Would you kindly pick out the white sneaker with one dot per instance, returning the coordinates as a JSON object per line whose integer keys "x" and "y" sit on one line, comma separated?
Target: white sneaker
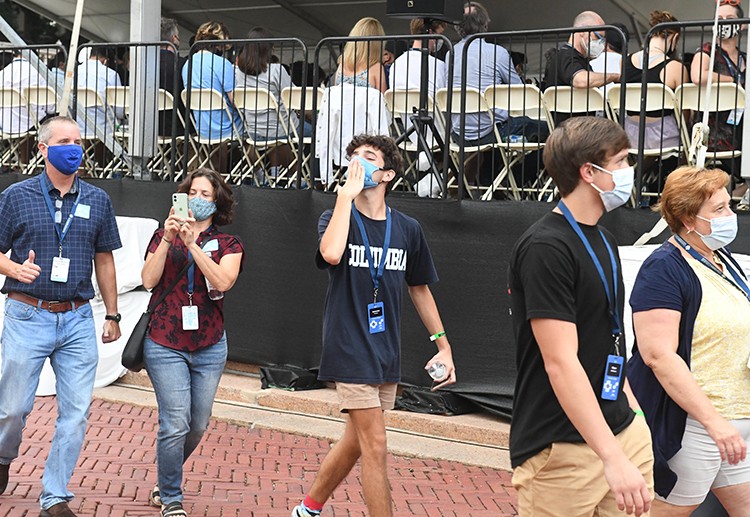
{"x": 301, "y": 511}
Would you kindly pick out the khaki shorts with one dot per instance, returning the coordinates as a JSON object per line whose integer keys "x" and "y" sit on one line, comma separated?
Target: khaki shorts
{"x": 568, "y": 478}
{"x": 366, "y": 396}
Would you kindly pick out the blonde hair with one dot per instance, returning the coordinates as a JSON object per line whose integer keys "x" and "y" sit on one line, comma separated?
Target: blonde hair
{"x": 685, "y": 190}
{"x": 361, "y": 55}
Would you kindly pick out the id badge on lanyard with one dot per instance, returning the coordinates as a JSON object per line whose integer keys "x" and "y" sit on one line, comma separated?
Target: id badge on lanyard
{"x": 376, "y": 309}
{"x": 60, "y": 265}
{"x": 190, "y": 311}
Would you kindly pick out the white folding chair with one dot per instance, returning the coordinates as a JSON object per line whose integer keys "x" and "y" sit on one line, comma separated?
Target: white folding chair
{"x": 97, "y": 114}
{"x": 291, "y": 97}
{"x": 166, "y": 144}
{"x": 13, "y": 143}
{"x": 208, "y": 99}
{"x": 724, "y": 97}
{"x": 520, "y": 98}
{"x": 571, "y": 101}
{"x": 659, "y": 98}
{"x": 475, "y": 104}
{"x": 259, "y": 102}
{"x": 40, "y": 101}
{"x": 402, "y": 104}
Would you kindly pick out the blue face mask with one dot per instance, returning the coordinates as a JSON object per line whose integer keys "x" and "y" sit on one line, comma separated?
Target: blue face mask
{"x": 65, "y": 158}
{"x": 202, "y": 208}
{"x": 370, "y": 169}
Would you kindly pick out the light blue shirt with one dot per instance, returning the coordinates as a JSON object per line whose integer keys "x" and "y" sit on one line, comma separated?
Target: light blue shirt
{"x": 212, "y": 71}
{"x": 486, "y": 65}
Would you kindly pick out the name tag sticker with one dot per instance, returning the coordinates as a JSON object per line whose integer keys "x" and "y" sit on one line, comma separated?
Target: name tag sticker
{"x": 60, "y": 268}
{"x": 212, "y": 245}
{"x": 189, "y": 317}
{"x": 83, "y": 211}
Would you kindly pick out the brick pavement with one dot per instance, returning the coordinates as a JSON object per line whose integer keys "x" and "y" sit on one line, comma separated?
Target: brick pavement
{"x": 236, "y": 471}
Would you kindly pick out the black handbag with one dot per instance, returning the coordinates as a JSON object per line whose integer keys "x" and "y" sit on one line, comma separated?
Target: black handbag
{"x": 132, "y": 354}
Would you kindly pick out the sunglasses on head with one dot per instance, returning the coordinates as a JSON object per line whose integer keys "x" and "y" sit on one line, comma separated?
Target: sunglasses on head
{"x": 733, "y": 3}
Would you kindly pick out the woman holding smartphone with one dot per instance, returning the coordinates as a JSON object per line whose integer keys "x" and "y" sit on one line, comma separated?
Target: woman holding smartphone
{"x": 186, "y": 347}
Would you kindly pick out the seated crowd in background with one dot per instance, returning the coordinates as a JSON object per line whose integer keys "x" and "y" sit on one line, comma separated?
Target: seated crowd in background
{"x": 589, "y": 59}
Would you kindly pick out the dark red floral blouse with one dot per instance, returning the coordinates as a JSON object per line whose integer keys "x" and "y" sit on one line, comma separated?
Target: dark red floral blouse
{"x": 166, "y": 321}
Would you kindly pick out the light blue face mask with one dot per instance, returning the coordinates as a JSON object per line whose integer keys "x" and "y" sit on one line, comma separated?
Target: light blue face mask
{"x": 370, "y": 169}
{"x": 723, "y": 231}
{"x": 202, "y": 208}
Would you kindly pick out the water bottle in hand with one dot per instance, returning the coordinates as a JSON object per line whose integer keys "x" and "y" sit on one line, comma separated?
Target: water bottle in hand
{"x": 437, "y": 371}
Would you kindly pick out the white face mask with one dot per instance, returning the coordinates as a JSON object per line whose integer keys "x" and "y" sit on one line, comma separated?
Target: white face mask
{"x": 595, "y": 48}
{"x": 723, "y": 231}
{"x": 618, "y": 196}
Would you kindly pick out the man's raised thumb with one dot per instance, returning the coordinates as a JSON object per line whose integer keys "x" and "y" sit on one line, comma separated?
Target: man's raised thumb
{"x": 31, "y": 256}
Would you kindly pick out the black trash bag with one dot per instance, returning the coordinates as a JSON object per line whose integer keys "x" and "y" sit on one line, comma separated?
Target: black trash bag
{"x": 422, "y": 400}
{"x": 290, "y": 378}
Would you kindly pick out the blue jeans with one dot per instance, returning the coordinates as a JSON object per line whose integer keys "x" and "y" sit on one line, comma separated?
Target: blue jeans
{"x": 185, "y": 384}
{"x": 30, "y": 335}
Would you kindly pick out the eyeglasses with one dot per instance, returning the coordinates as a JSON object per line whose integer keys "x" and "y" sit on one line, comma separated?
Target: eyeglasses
{"x": 58, "y": 211}
{"x": 733, "y": 3}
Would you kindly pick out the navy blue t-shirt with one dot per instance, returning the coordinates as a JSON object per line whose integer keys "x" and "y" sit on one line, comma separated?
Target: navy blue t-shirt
{"x": 350, "y": 352}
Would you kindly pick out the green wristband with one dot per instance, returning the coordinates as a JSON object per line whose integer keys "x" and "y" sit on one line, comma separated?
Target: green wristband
{"x": 437, "y": 335}
{"x": 639, "y": 412}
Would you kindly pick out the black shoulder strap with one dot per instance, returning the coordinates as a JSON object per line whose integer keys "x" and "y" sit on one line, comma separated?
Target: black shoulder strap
{"x": 171, "y": 286}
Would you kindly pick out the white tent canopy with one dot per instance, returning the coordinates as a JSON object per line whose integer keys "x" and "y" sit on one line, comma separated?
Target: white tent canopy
{"x": 310, "y": 20}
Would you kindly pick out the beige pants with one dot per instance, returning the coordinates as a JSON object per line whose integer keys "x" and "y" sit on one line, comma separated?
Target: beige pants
{"x": 567, "y": 479}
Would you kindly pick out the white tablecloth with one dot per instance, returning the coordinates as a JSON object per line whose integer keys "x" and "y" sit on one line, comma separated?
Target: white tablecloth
{"x": 135, "y": 233}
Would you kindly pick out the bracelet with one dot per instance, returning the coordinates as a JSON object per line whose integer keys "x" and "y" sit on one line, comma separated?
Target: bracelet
{"x": 437, "y": 335}
{"x": 166, "y": 240}
{"x": 639, "y": 412}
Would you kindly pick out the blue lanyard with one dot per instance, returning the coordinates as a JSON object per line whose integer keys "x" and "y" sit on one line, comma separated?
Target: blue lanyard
{"x": 739, "y": 283}
{"x": 376, "y": 275}
{"x": 735, "y": 73}
{"x": 191, "y": 271}
{"x": 616, "y": 327}
{"x": 61, "y": 233}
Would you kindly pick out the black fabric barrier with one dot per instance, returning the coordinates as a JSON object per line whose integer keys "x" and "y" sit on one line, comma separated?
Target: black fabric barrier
{"x": 274, "y": 313}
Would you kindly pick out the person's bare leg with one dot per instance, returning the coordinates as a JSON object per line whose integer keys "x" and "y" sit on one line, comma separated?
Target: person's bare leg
{"x": 370, "y": 427}
{"x": 661, "y": 509}
{"x": 336, "y": 465}
{"x": 735, "y": 499}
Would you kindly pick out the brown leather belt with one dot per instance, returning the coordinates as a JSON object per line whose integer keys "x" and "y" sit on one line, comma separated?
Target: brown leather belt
{"x": 52, "y": 306}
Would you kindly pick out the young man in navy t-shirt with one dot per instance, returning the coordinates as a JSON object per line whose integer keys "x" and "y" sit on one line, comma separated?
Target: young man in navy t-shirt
{"x": 369, "y": 250}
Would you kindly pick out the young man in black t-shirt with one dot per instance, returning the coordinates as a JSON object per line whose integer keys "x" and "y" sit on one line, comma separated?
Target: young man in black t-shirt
{"x": 369, "y": 250}
{"x": 579, "y": 444}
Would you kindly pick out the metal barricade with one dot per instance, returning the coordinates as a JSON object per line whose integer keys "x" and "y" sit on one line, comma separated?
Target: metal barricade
{"x": 666, "y": 117}
{"x": 506, "y": 109}
{"x": 359, "y": 100}
{"x": 249, "y": 118}
{"x": 29, "y": 94}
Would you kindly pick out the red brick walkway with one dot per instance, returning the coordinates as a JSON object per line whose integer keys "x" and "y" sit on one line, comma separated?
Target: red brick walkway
{"x": 236, "y": 471}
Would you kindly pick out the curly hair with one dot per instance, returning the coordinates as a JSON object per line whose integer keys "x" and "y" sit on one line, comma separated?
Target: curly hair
{"x": 213, "y": 31}
{"x": 223, "y": 196}
{"x": 392, "y": 159}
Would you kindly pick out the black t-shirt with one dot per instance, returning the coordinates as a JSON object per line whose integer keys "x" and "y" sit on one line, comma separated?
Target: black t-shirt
{"x": 167, "y": 81}
{"x": 562, "y": 64}
{"x": 551, "y": 275}
{"x": 350, "y": 352}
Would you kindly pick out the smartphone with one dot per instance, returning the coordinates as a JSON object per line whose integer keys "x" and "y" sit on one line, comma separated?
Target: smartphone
{"x": 180, "y": 204}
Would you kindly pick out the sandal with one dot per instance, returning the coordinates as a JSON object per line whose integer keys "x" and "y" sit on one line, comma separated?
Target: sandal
{"x": 154, "y": 497}
{"x": 173, "y": 510}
